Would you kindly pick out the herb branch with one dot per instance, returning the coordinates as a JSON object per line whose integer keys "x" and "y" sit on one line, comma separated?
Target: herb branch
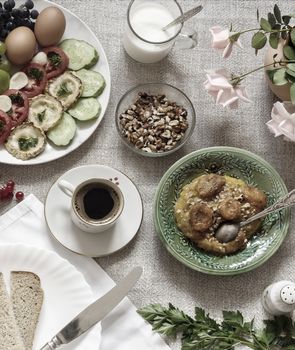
{"x": 63, "y": 90}
{"x": 203, "y": 333}
{"x": 25, "y": 143}
{"x": 54, "y": 59}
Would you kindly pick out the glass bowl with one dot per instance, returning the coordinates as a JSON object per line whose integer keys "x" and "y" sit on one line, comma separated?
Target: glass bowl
{"x": 173, "y": 94}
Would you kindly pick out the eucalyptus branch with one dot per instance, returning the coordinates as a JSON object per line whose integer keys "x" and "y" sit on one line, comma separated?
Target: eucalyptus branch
{"x": 237, "y": 79}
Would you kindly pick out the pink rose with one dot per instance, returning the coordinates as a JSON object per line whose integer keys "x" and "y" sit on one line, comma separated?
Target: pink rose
{"x": 222, "y": 41}
{"x": 218, "y": 85}
{"x": 283, "y": 120}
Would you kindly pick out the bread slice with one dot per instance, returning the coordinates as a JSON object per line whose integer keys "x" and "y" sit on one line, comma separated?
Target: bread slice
{"x": 10, "y": 338}
{"x": 26, "y": 297}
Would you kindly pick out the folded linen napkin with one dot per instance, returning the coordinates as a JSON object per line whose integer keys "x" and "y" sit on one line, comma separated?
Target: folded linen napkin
{"x": 123, "y": 328}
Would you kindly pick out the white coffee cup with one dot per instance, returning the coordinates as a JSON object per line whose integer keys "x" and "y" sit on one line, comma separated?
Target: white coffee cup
{"x": 96, "y": 204}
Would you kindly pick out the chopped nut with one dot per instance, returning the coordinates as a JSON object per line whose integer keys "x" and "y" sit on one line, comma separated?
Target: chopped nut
{"x": 153, "y": 123}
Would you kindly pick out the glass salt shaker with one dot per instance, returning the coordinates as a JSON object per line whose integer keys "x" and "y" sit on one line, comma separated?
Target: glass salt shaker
{"x": 279, "y": 298}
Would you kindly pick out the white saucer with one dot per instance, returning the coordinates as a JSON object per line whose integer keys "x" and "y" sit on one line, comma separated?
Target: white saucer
{"x": 57, "y": 214}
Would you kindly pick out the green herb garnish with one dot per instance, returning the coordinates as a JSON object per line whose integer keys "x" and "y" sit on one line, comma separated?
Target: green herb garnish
{"x": 41, "y": 116}
{"x": 63, "y": 90}
{"x": 54, "y": 59}
{"x": 201, "y": 332}
{"x": 25, "y": 143}
{"x": 17, "y": 99}
{"x": 2, "y": 124}
{"x": 35, "y": 73}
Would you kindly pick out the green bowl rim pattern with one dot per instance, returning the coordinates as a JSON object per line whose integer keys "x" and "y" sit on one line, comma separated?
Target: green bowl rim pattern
{"x": 249, "y": 267}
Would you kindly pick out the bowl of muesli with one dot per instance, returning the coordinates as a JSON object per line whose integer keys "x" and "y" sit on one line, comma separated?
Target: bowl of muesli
{"x": 215, "y": 185}
{"x": 155, "y": 119}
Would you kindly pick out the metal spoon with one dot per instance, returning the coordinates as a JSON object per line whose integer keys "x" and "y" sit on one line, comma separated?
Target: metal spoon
{"x": 227, "y": 232}
{"x": 184, "y": 17}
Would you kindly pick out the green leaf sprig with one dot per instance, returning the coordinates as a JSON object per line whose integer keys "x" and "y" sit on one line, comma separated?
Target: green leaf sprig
{"x": 63, "y": 90}
{"x": 272, "y": 29}
{"x": 202, "y": 332}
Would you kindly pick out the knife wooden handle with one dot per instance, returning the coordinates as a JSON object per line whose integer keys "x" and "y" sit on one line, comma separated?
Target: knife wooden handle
{"x": 53, "y": 344}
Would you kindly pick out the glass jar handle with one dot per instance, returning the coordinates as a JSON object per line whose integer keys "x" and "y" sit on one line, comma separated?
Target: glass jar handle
{"x": 187, "y": 39}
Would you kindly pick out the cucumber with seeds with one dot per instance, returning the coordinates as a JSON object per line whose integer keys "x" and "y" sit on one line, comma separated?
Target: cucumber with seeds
{"x": 93, "y": 82}
{"x": 86, "y": 109}
{"x": 80, "y": 53}
{"x": 63, "y": 133}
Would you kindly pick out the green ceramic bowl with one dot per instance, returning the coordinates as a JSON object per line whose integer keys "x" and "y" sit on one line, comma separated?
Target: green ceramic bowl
{"x": 233, "y": 162}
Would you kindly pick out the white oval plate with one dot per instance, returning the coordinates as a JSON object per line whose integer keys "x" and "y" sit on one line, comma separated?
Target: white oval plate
{"x": 66, "y": 292}
{"x": 79, "y": 30}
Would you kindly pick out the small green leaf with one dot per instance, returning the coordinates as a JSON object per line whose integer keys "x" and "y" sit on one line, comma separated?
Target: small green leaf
{"x": 290, "y": 72}
{"x": 265, "y": 25}
{"x": 274, "y": 40}
{"x": 286, "y": 19}
{"x": 289, "y": 52}
{"x": 277, "y": 13}
{"x": 284, "y": 34}
{"x": 233, "y": 38}
{"x": 290, "y": 79}
{"x": 271, "y": 73}
{"x": 291, "y": 66}
{"x": 293, "y": 36}
{"x": 279, "y": 77}
{"x": 258, "y": 40}
{"x": 271, "y": 19}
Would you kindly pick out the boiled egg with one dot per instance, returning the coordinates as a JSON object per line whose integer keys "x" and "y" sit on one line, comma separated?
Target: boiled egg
{"x": 20, "y": 45}
{"x": 50, "y": 26}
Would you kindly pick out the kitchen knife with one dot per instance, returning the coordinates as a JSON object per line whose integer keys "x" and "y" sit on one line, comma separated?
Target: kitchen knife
{"x": 95, "y": 312}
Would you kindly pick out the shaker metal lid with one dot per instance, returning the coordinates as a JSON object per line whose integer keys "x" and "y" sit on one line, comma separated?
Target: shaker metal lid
{"x": 288, "y": 294}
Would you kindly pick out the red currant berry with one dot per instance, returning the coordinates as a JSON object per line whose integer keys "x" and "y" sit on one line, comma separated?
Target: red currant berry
{"x": 19, "y": 196}
{"x": 6, "y": 192}
{"x": 1, "y": 192}
{"x": 9, "y": 196}
{"x": 10, "y": 183}
{"x": 9, "y": 188}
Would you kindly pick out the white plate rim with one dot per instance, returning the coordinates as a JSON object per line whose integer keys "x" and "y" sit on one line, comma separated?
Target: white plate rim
{"x": 53, "y": 256}
{"x": 35, "y": 161}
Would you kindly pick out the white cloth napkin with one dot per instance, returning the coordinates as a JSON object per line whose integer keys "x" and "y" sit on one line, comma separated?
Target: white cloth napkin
{"x": 123, "y": 328}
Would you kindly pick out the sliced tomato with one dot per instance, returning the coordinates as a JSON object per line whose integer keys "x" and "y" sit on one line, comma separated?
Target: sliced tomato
{"x": 57, "y": 62}
{"x": 37, "y": 79}
{"x": 20, "y": 106}
{"x": 5, "y": 126}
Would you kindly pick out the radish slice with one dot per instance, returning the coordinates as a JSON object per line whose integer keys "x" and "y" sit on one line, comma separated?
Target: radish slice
{"x": 18, "y": 81}
{"x": 5, "y": 103}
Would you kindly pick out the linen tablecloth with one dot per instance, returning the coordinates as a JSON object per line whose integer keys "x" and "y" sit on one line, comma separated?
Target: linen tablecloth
{"x": 166, "y": 279}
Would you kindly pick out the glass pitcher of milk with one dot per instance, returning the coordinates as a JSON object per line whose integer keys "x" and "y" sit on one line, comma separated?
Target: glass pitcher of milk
{"x": 145, "y": 40}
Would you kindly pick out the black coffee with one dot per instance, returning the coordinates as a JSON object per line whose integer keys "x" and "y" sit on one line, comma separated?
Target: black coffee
{"x": 98, "y": 203}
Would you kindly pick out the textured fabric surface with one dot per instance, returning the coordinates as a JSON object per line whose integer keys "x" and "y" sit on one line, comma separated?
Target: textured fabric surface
{"x": 164, "y": 278}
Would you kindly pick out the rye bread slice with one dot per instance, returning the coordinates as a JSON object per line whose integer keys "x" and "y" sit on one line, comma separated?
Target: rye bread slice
{"x": 10, "y": 338}
{"x": 26, "y": 297}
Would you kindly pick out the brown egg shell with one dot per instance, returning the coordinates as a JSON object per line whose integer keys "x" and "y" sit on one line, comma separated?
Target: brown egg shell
{"x": 50, "y": 26}
{"x": 20, "y": 45}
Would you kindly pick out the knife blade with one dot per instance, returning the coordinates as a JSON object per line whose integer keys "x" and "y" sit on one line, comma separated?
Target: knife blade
{"x": 95, "y": 312}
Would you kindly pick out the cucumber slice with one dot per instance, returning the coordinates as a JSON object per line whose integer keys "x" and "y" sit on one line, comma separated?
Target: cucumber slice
{"x": 80, "y": 53}
{"x": 64, "y": 131}
{"x": 93, "y": 82}
{"x": 85, "y": 109}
